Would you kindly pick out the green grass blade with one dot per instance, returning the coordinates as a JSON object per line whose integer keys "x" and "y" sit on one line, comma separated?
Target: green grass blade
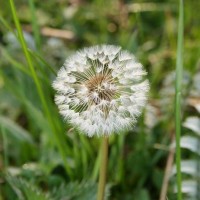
{"x": 59, "y": 138}
{"x": 179, "y": 71}
{"x": 36, "y": 30}
{"x": 5, "y": 149}
{"x": 14, "y": 63}
{"x": 96, "y": 167}
{"x": 6, "y": 25}
{"x": 36, "y": 55}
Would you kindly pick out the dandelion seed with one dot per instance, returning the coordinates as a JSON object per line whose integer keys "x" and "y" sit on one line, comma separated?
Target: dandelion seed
{"x": 101, "y": 90}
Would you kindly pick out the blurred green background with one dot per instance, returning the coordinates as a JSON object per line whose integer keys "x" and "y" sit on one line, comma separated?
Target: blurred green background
{"x": 41, "y": 156}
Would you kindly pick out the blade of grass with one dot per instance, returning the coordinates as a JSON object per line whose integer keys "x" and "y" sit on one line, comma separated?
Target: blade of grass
{"x": 14, "y": 63}
{"x": 59, "y": 141}
{"x": 36, "y": 55}
{"x": 5, "y": 149}
{"x": 6, "y": 25}
{"x": 96, "y": 166}
{"x": 36, "y": 31}
{"x": 120, "y": 174}
{"x": 179, "y": 71}
{"x": 86, "y": 144}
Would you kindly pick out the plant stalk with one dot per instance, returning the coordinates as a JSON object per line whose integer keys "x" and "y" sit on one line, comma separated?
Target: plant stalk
{"x": 103, "y": 169}
{"x": 179, "y": 72}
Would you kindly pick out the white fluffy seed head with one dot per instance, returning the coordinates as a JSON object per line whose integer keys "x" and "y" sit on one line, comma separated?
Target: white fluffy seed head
{"x": 101, "y": 90}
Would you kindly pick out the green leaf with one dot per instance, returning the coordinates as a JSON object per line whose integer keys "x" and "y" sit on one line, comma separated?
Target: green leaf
{"x": 193, "y": 123}
{"x": 15, "y": 130}
{"x": 25, "y": 190}
{"x": 86, "y": 190}
{"x": 191, "y": 143}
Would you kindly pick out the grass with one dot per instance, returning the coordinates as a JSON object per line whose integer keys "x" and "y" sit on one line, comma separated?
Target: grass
{"x": 36, "y": 30}
{"x": 5, "y": 147}
{"x": 44, "y": 153}
{"x": 179, "y": 74}
{"x": 56, "y": 134}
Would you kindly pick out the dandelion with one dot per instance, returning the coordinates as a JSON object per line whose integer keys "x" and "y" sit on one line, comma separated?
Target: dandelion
{"x": 101, "y": 90}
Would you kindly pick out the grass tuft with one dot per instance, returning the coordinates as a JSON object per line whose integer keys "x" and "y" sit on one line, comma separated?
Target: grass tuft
{"x": 56, "y": 134}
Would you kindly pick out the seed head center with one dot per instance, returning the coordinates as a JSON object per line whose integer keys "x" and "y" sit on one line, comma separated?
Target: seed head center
{"x": 99, "y": 88}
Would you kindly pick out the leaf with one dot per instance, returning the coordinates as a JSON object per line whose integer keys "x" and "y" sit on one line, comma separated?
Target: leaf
{"x": 193, "y": 123}
{"x": 189, "y": 187}
{"x": 189, "y": 167}
{"x": 197, "y": 107}
{"x": 86, "y": 190}
{"x": 15, "y": 186}
{"x": 190, "y": 143}
{"x": 26, "y": 190}
{"x": 32, "y": 192}
{"x": 15, "y": 130}
{"x": 143, "y": 195}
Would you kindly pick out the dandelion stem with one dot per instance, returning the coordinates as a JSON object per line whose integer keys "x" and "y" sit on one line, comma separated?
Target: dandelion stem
{"x": 103, "y": 169}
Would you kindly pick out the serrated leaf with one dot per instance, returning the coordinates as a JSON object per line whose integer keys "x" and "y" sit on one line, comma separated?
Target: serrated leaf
{"x": 197, "y": 107}
{"x": 14, "y": 184}
{"x": 31, "y": 192}
{"x": 25, "y": 190}
{"x": 191, "y": 143}
{"x": 86, "y": 190}
{"x": 189, "y": 167}
{"x": 189, "y": 187}
{"x": 193, "y": 123}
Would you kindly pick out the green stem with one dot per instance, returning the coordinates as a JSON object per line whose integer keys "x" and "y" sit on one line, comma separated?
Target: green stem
{"x": 179, "y": 71}
{"x": 57, "y": 135}
{"x": 103, "y": 169}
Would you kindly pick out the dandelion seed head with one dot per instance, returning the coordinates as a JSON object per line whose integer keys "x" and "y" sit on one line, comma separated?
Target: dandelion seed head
{"x": 101, "y": 90}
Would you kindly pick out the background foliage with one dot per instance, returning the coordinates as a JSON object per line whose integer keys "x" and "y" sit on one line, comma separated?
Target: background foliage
{"x": 44, "y": 158}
